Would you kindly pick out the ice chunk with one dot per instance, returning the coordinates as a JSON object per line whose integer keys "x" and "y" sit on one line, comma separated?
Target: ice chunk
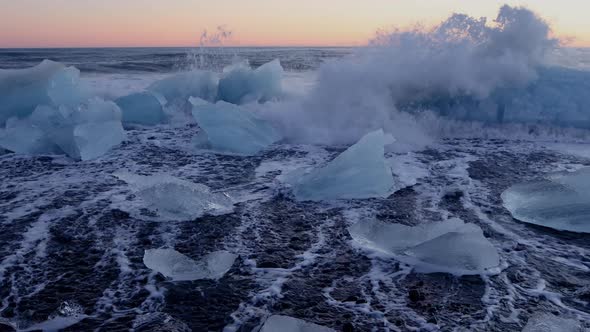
{"x": 175, "y": 199}
{"x": 359, "y": 172}
{"x": 180, "y": 87}
{"x": 547, "y": 322}
{"x": 49, "y": 83}
{"x": 226, "y": 128}
{"x": 141, "y": 108}
{"x": 86, "y": 132}
{"x": 451, "y": 246}
{"x": 179, "y": 267}
{"x": 241, "y": 84}
{"x": 279, "y": 323}
{"x": 561, "y": 201}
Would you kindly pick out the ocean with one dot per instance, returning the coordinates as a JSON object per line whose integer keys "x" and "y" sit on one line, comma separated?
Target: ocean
{"x": 176, "y": 189}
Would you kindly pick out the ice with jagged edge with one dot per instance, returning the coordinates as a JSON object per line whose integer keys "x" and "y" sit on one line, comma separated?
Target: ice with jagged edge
{"x": 451, "y": 246}
{"x": 278, "y": 323}
{"x": 547, "y": 322}
{"x": 171, "y": 198}
{"x": 48, "y": 83}
{"x": 227, "y": 128}
{"x": 179, "y": 87}
{"x": 179, "y": 267}
{"x": 141, "y": 108}
{"x": 241, "y": 84}
{"x": 85, "y": 132}
{"x": 560, "y": 201}
{"x": 359, "y": 172}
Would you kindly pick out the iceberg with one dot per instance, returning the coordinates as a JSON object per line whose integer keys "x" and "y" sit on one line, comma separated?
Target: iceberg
{"x": 226, "y": 128}
{"x": 451, "y": 246}
{"x": 359, "y": 172}
{"x": 48, "y": 83}
{"x": 278, "y": 323}
{"x": 141, "y": 108}
{"x": 179, "y": 267}
{"x": 560, "y": 201}
{"x": 84, "y": 133}
{"x": 240, "y": 84}
{"x": 180, "y": 87}
{"x": 175, "y": 199}
{"x": 547, "y": 322}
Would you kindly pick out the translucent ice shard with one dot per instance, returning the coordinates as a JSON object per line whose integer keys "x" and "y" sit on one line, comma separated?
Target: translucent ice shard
{"x": 141, "y": 108}
{"x": 451, "y": 246}
{"x": 279, "y": 323}
{"x": 359, "y": 172}
{"x": 561, "y": 201}
{"x": 180, "y": 87}
{"x": 547, "y": 322}
{"x": 22, "y": 136}
{"x": 179, "y": 267}
{"x": 49, "y": 83}
{"x": 174, "y": 199}
{"x": 227, "y": 128}
{"x": 240, "y": 84}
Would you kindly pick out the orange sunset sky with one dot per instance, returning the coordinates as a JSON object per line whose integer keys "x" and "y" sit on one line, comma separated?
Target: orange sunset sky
{"x": 117, "y": 23}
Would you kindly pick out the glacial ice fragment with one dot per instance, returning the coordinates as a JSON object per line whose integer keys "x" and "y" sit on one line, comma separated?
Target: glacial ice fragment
{"x": 451, "y": 246}
{"x": 141, "y": 108}
{"x": 560, "y": 201}
{"x": 278, "y": 323}
{"x": 179, "y": 267}
{"x": 175, "y": 199}
{"x": 359, "y": 172}
{"x": 226, "y": 128}
{"x": 180, "y": 87}
{"x": 547, "y": 322}
{"x": 22, "y": 136}
{"x": 240, "y": 84}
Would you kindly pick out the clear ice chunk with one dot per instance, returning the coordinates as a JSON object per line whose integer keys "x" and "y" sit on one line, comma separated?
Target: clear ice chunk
{"x": 180, "y": 87}
{"x": 561, "y": 201}
{"x": 278, "y": 323}
{"x": 451, "y": 246}
{"x": 179, "y": 267}
{"x": 22, "y": 136}
{"x": 175, "y": 199}
{"x": 227, "y": 128}
{"x": 547, "y": 322}
{"x": 359, "y": 172}
{"x": 141, "y": 108}
{"x": 240, "y": 84}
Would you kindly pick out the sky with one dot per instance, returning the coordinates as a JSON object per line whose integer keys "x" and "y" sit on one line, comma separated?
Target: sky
{"x": 136, "y": 23}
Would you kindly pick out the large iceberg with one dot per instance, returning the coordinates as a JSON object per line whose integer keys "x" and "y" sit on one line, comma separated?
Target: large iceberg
{"x": 180, "y": 87}
{"x": 451, "y": 246}
{"x": 359, "y": 172}
{"x": 240, "y": 84}
{"x": 141, "y": 108}
{"x": 561, "y": 201}
{"x": 171, "y": 198}
{"x": 227, "y": 128}
{"x": 278, "y": 323}
{"x": 85, "y": 132}
{"x": 179, "y": 267}
{"x": 547, "y": 322}
{"x": 49, "y": 83}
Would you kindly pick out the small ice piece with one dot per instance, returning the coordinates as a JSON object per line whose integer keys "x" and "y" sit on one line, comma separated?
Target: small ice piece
{"x": 561, "y": 201}
{"x": 359, "y": 172}
{"x": 22, "y": 136}
{"x": 141, "y": 108}
{"x": 180, "y": 87}
{"x": 548, "y": 322}
{"x": 278, "y": 323}
{"x": 451, "y": 246}
{"x": 179, "y": 267}
{"x": 64, "y": 88}
{"x": 227, "y": 128}
{"x": 176, "y": 199}
{"x": 240, "y": 84}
